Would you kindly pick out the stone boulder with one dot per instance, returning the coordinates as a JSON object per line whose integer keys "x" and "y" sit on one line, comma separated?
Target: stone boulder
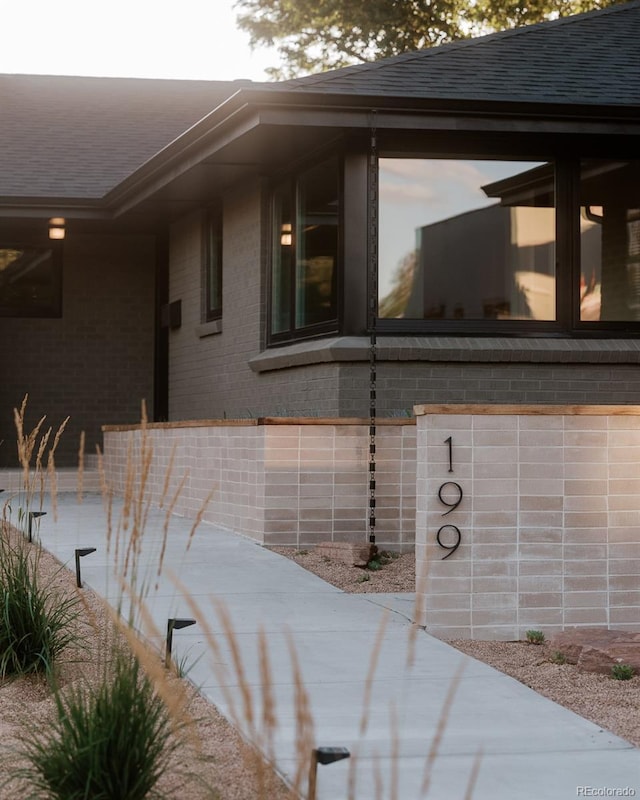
{"x": 352, "y": 554}
{"x": 602, "y": 658}
{"x": 598, "y": 649}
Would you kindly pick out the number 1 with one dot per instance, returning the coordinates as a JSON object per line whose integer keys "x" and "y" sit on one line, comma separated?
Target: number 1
{"x": 450, "y": 443}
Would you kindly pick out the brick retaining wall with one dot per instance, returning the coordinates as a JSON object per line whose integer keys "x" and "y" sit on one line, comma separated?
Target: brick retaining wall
{"x": 281, "y": 481}
{"x": 548, "y": 518}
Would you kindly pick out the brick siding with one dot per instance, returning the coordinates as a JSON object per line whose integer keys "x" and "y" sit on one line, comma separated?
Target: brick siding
{"x": 95, "y": 364}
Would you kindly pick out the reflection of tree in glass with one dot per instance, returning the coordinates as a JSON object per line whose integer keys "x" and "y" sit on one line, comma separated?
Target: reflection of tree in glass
{"x": 318, "y": 290}
{"x": 393, "y": 305}
{"x": 7, "y": 257}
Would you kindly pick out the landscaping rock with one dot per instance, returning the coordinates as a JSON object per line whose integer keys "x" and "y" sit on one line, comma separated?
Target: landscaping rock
{"x": 356, "y": 555}
{"x": 601, "y": 659}
{"x": 571, "y": 641}
{"x": 598, "y": 649}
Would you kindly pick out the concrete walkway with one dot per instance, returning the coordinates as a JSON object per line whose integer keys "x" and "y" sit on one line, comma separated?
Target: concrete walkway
{"x": 530, "y": 748}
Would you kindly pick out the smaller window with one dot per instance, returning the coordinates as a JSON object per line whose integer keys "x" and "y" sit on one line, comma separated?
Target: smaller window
{"x": 212, "y": 256}
{"x": 30, "y": 281}
{"x": 305, "y": 256}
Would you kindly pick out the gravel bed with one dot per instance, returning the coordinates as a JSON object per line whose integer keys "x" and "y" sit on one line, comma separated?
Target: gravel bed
{"x": 214, "y": 762}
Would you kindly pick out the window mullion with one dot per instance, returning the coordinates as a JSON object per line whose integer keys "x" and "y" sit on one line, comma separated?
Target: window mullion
{"x": 293, "y": 262}
{"x": 567, "y": 244}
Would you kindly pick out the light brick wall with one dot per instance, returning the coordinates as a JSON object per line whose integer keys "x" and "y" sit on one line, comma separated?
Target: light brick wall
{"x": 94, "y": 364}
{"x": 316, "y": 484}
{"x": 549, "y": 520}
{"x": 292, "y": 484}
{"x": 190, "y": 465}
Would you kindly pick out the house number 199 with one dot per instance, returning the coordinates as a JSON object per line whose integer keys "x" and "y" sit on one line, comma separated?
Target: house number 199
{"x": 450, "y": 494}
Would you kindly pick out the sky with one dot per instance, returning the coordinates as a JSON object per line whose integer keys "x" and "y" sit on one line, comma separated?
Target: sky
{"x": 194, "y": 39}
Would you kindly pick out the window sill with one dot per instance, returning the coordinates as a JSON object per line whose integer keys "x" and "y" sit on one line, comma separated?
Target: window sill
{"x": 450, "y": 348}
{"x": 209, "y": 328}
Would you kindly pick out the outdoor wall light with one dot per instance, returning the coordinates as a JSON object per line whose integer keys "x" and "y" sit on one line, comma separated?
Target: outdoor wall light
{"x": 56, "y": 228}
{"x": 174, "y": 623}
{"x": 323, "y": 755}
{"x": 80, "y": 552}
{"x": 286, "y": 235}
{"x": 33, "y": 515}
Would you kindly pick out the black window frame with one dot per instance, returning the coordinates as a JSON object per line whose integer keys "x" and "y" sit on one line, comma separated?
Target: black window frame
{"x": 54, "y": 309}
{"x": 291, "y": 180}
{"x": 567, "y": 324}
{"x": 213, "y": 262}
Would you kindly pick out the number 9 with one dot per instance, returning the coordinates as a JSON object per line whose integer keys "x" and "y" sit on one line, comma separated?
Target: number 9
{"x": 454, "y": 505}
{"x": 451, "y": 548}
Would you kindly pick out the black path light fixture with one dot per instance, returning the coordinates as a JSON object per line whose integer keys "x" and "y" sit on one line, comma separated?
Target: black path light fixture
{"x": 31, "y": 516}
{"x": 323, "y": 755}
{"x": 80, "y": 553}
{"x": 174, "y": 623}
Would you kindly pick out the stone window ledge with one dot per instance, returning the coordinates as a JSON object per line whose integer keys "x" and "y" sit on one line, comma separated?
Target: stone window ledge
{"x": 209, "y": 328}
{"x": 450, "y": 348}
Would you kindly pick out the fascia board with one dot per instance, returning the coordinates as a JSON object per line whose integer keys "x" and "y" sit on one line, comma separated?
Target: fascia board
{"x": 251, "y": 108}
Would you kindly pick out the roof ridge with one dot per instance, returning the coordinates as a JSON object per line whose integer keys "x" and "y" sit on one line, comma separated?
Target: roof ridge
{"x": 203, "y": 82}
{"x": 447, "y": 47}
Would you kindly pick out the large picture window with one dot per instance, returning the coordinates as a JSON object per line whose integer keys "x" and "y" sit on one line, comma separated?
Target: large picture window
{"x": 304, "y": 268}
{"x": 466, "y": 240}
{"x": 30, "y": 281}
{"x": 473, "y": 245}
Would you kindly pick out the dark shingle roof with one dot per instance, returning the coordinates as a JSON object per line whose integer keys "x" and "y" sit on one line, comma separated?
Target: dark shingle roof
{"x": 591, "y": 59}
{"x": 78, "y": 138}
{"x": 72, "y": 137}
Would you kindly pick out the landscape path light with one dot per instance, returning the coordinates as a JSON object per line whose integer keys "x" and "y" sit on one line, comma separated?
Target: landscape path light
{"x": 323, "y": 755}
{"x": 174, "y": 623}
{"x": 80, "y": 553}
{"x": 33, "y": 515}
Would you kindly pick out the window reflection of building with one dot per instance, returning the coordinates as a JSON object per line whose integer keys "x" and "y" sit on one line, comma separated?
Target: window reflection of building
{"x": 610, "y": 198}
{"x": 493, "y": 263}
{"x": 496, "y": 262}
{"x": 499, "y": 262}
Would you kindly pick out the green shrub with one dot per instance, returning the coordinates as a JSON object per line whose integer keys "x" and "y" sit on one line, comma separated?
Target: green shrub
{"x": 559, "y": 657}
{"x": 110, "y": 742}
{"x": 535, "y": 637}
{"x": 35, "y": 620}
{"x": 622, "y": 672}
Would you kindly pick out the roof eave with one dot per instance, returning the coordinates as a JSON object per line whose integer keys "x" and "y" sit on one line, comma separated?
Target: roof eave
{"x": 250, "y": 108}
{"x": 39, "y": 207}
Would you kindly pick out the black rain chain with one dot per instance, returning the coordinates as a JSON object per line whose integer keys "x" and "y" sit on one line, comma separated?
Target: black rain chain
{"x": 372, "y": 315}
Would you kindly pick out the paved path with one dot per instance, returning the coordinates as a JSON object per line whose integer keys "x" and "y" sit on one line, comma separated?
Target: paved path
{"x": 531, "y": 748}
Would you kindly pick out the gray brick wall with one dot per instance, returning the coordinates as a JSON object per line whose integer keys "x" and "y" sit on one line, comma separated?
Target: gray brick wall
{"x": 403, "y": 384}
{"x": 96, "y": 362}
{"x": 210, "y": 377}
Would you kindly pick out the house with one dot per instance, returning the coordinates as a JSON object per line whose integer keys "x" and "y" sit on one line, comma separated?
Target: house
{"x": 222, "y": 240}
